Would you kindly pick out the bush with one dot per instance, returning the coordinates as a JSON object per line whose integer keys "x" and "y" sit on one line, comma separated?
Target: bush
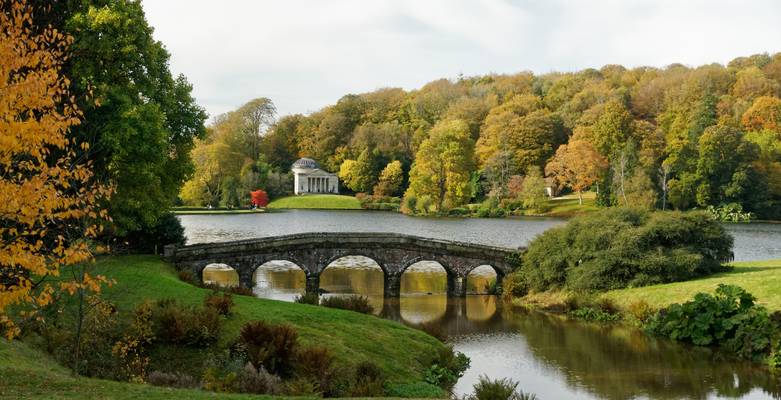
{"x": 167, "y": 230}
{"x": 308, "y": 298}
{"x": 732, "y": 212}
{"x": 446, "y": 368}
{"x": 640, "y": 310}
{"x": 593, "y": 314}
{"x": 220, "y": 301}
{"x": 418, "y": 390}
{"x": 173, "y": 379}
{"x": 458, "y": 212}
{"x": 187, "y": 325}
{"x": 317, "y": 365}
{"x": 238, "y": 290}
{"x": 409, "y": 204}
{"x": 424, "y": 205}
{"x": 368, "y": 380}
{"x": 353, "y": 303}
{"x": 498, "y": 389}
{"x": 729, "y": 318}
{"x": 258, "y": 381}
{"x": 618, "y": 248}
{"x": 270, "y": 346}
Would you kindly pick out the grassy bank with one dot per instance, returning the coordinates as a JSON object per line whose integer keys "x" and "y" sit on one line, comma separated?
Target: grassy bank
{"x": 318, "y": 201}
{"x": 27, "y": 373}
{"x": 760, "y": 278}
{"x": 402, "y": 353}
{"x": 199, "y": 211}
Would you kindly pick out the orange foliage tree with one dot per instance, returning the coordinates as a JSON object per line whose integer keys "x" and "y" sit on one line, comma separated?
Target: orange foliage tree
{"x": 259, "y": 198}
{"x": 48, "y": 201}
{"x": 577, "y": 165}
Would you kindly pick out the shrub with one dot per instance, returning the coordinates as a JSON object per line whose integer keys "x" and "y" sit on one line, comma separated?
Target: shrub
{"x": 188, "y": 325}
{"x": 368, "y": 380}
{"x": 317, "y": 364}
{"x": 241, "y": 291}
{"x": 514, "y": 285}
{"x": 353, "y": 303}
{"x": 458, "y": 212}
{"x": 621, "y": 247}
{"x": 301, "y": 387}
{"x": 173, "y": 379}
{"x": 409, "y": 204}
{"x": 221, "y": 302}
{"x": 424, "y": 205}
{"x": 167, "y": 230}
{"x": 729, "y": 318}
{"x": 308, "y": 298}
{"x": 446, "y": 368}
{"x": 641, "y": 310}
{"x": 732, "y": 212}
{"x": 258, "y": 381}
{"x": 593, "y": 314}
{"x": 187, "y": 276}
{"x": 271, "y": 346}
{"x": 498, "y": 389}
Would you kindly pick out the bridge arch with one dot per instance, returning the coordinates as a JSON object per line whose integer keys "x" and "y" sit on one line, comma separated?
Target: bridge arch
{"x": 279, "y": 274}
{"x": 483, "y": 279}
{"x": 353, "y": 274}
{"x": 220, "y": 274}
{"x": 428, "y": 282}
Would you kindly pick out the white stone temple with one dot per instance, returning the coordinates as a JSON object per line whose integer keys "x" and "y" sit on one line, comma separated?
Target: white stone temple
{"x": 309, "y": 178}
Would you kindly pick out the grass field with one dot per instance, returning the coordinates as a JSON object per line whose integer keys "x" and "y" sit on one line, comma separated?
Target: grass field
{"x": 401, "y": 352}
{"x": 760, "y": 278}
{"x": 318, "y": 201}
{"x": 566, "y": 206}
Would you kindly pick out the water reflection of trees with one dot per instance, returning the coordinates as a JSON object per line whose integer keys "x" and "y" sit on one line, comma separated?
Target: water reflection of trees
{"x": 620, "y": 363}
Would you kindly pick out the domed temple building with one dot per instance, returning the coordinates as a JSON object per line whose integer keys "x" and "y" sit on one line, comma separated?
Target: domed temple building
{"x": 309, "y": 178}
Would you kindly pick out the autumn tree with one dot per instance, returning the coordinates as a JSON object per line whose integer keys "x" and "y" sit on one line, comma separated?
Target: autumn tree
{"x": 259, "y": 198}
{"x": 358, "y": 175}
{"x": 391, "y": 179}
{"x": 443, "y": 165}
{"x": 765, "y": 113}
{"x": 577, "y": 165}
{"x": 49, "y": 202}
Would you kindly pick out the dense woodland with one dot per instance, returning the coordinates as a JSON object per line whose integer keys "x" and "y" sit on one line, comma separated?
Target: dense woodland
{"x": 670, "y": 138}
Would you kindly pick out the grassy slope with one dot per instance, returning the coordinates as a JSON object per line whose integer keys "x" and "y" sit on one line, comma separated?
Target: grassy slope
{"x": 321, "y": 201}
{"x": 26, "y": 373}
{"x": 760, "y": 278}
{"x": 353, "y": 337}
{"x": 568, "y": 205}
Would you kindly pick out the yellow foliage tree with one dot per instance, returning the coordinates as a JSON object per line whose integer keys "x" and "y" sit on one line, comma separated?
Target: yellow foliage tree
{"x": 48, "y": 203}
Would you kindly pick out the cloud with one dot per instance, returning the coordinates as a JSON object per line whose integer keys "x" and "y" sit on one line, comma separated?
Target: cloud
{"x": 306, "y": 54}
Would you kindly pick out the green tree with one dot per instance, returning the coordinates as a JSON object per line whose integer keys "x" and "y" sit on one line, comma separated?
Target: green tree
{"x": 358, "y": 175}
{"x": 443, "y": 164}
{"x": 139, "y": 118}
{"x": 391, "y": 179}
{"x": 533, "y": 191}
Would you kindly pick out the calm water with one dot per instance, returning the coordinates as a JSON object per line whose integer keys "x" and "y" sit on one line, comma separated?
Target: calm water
{"x": 756, "y": 241}
{"x": 547, "y": 355}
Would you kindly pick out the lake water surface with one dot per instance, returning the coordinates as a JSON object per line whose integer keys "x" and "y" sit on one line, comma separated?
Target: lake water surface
{"x": 548, "y": 355}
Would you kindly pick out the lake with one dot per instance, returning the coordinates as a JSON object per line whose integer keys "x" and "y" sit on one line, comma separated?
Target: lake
{"x": 548, "y": 355}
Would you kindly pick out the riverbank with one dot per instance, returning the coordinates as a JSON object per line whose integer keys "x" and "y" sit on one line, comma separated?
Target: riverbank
{"x": 760, "y": 278}
{"x": 352, "y": 337}
{"x": 216, "y": 211}
{"x": 317, "y": 202}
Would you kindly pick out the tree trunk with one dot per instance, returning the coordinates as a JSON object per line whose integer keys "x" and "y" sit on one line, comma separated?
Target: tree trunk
{"x": 580, "y": 197}
{"x": 79, "y": 323}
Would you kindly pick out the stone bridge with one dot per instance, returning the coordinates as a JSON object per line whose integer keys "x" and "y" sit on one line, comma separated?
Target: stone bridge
{"x": 313, "y": 252}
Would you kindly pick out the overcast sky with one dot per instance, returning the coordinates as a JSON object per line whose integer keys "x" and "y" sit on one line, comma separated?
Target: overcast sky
{"x": 306, "y": 54}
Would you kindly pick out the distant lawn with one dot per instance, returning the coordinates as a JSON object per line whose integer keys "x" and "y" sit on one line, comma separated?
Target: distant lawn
{"x": 760, "y": 278}
{"x": 318, "y": 201}
{"x": 566, "y": 206}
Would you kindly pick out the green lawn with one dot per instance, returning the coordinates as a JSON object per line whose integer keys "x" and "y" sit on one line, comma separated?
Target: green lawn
{"x": 760, "y": 278}
{"x": 403, "y": 353}
{"x": 208, "y": 211}
{"x": 318, "y": 201}
{"x": 26, "y": 373}
{"x": 566, "y": 206}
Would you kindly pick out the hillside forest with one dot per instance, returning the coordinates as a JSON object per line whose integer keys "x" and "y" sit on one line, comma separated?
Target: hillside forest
{"x": 677, "y": 137}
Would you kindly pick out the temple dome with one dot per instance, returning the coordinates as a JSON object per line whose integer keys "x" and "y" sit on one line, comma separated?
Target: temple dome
{"x": 305, "y": 163}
